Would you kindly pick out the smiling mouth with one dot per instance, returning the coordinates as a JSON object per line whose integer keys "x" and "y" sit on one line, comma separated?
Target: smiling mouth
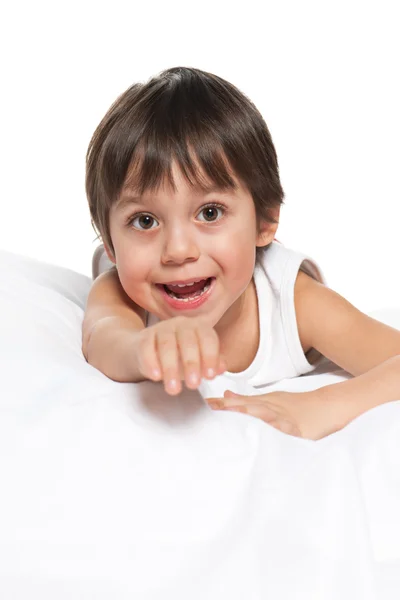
{"x": 182, "y": 282}
{"x": 191, "y": 292}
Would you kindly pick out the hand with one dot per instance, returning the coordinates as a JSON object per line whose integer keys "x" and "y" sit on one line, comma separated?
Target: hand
{"x": 270, "y": 408}
{"x": 302, "y": 414}
{"x": 180, "y": 348}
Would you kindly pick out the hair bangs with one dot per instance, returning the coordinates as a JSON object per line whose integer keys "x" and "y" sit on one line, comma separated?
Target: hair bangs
{"x": 201, "y": 161}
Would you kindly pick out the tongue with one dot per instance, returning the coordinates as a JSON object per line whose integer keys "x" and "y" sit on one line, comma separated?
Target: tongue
{"x": 188, "y": 289}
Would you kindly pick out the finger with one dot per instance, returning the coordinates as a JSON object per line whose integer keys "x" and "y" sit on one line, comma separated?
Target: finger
{"x": 260, "y": 411}
{"x": 229, "y": 394}
{"x": 217, "y": 402}
{"x": 212, "y": 364}
{"x": 233, "y": 401}
{"x": 241, "y": 409}
{"x": 255, "y": 410}
{"x": 189, "y": 352}
{"x": 148, "y": 362}
{"x": 167, "y": 350}
{"x": 222, "y": 366}
{"x": 227, "y": 402}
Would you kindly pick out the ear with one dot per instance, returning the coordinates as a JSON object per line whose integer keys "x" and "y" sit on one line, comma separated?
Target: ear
{"x": 268, "y": 230}
{"x": 110, "y": 255}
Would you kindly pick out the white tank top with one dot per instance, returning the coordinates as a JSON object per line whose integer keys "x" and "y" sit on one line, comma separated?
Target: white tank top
{"x": 280, "y": 354}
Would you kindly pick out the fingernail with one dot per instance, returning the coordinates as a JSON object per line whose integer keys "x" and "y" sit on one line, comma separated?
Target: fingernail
{"x": 210, "y": 372}
{"x": 193, "y": 378}
{"x": 172, "y": 383}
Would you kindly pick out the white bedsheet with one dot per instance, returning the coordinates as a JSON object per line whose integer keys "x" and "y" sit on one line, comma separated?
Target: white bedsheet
{"x": 113, "y": 491}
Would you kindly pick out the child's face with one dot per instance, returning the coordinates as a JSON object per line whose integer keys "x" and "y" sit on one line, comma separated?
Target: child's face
{"x": 172, "y": 236}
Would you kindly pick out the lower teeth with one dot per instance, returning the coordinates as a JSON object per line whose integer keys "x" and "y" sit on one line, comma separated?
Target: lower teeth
{"x": 195, "y": 295}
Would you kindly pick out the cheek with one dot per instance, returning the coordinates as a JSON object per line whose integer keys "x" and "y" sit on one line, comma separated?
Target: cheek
{"x": 242, "y": 269}
{"x": 237, "y": 264}
{"x": 237, "y": 249}
{"x": 131, "y": 261}
{"x": 133, "y": 274}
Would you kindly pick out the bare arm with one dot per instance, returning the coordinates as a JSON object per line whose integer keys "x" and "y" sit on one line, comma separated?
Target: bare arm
{"x": 110, "y": 329}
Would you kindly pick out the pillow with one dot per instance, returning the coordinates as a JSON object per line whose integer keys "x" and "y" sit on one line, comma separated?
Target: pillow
{"x": 115, "y": 490}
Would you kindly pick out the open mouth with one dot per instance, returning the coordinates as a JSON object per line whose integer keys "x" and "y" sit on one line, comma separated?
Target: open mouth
{"x": 194, "y": 291}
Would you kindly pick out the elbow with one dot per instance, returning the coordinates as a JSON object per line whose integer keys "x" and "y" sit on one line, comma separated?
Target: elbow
{"x": 86, "y": 335}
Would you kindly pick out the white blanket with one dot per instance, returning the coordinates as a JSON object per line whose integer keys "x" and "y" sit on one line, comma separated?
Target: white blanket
{"x": 116, "y": 491}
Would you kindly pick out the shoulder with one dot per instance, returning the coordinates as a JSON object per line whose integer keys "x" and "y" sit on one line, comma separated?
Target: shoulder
{"x": 289, "y": 273}
{"x": 305, "y": 288}
{"x": 282, "y": 264}
{"x": 338, "y": 330}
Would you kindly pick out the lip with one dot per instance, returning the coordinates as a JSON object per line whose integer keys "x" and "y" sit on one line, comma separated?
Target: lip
{"x": 183, "y": 281}
{"x": 191, "y": 305}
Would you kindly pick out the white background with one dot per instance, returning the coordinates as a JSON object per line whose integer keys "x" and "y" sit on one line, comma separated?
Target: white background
{"x": 325, "y": 76}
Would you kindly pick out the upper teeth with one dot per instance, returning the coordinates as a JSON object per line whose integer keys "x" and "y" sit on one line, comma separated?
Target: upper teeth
{"x": 185, "y": 284}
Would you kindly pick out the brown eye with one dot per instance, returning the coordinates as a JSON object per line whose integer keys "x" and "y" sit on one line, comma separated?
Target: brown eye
{"x": 211, "y": 211}
{"x": 144, "y": 221}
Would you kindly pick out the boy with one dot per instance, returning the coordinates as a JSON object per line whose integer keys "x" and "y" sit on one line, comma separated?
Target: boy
{"x": 183, "y": 187}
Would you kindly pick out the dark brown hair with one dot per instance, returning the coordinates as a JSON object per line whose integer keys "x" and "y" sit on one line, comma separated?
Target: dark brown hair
{"x": 186, "y": 115}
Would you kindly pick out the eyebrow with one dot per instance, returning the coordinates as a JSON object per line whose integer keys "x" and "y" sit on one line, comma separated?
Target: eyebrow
{"x": 127, "y": 197}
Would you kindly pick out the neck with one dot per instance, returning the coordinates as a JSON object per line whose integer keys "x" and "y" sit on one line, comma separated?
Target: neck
{"x": 238, "y": 331}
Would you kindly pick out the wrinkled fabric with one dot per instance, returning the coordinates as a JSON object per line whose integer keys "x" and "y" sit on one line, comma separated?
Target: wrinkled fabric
{"x": 116, "y": 491}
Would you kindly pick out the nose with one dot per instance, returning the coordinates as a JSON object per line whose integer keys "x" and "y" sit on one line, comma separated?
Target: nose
{"x": 179, "y": 247}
